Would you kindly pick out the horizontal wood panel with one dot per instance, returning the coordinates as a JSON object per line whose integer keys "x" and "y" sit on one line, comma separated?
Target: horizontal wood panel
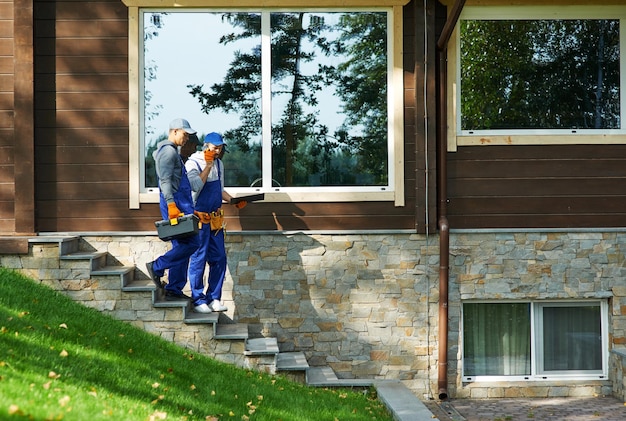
{"x": 6, "y": 155}
{"x": 6, "y": 47}
{"x": 83, "y": 155}
{"x": 89, "y": 28}
{"x": 81, "y": 10}
{"x": 80, "y": 47}
{"x": 7, "y": 82}
{"x": 6, "y": 101}
{"x": 6, "y": 137}
{"x": 539, "y": 205}
{"x": 81, "y": 173}
{"x": 7, "y": 225}
{"x": 93, "y": 191}
{"x": 109, "y": 136}
{"x": 537, "y": 168}
{"x": 82, "y": 64}
{"x": 114, "y": 214}
{"x": 6, "y": 9}
{"x": 6, "y": 119}
{"x": 530, "y": 152}
{"x": 6, "y": 173}
{"x": 87, "y": 83}
{"x": 7, "y": 191}
{"x": 13, "y": 245}
{"x": 81, "y": 101}
{"x": 81, "y": 119}
{"x": 537, "y": 186}
{"x": 7, "y": 65}
{"x": 6, "y": 206}
{"x": 537, "y": 221}
{"x": 6, "y": 27}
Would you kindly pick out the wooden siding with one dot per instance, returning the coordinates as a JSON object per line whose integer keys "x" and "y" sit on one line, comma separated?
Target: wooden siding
{"x": 573, "y": 186}
{"x": 81, "y": 132}
{"x": 7, "y": 180}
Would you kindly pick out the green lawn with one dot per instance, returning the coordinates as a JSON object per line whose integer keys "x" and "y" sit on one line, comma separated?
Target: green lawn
{"x": 62, "y": 361}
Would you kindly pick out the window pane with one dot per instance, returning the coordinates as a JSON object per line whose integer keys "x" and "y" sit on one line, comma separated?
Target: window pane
{"x": 540, "y": 74}
{"x": 572, "y": 338}
{"x": 210, "y": 75}
{"x": 496, "y": 339}
{"x": 329, "y": 99}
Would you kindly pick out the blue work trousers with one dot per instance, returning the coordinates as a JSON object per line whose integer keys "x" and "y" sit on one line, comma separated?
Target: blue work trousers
{"x": 212, "y": 250}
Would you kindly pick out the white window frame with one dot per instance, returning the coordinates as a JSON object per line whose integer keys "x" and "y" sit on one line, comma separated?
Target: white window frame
{"x": 395, "y": 190}
{"x": 536, "y": 350}
{"x": 458, "y": 137}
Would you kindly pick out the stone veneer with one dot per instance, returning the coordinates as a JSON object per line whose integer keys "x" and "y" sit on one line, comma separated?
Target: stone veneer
{"x": 367, "y": 304}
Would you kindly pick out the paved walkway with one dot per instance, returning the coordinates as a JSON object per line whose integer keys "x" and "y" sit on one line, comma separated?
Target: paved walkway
{"x": 551, "y": 409}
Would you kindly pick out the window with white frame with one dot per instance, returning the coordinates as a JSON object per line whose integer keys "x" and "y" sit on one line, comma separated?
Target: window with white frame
{"x": 541, "y": 74}
{"x": 534, "y": 340}
{"x": 309, "y": 101}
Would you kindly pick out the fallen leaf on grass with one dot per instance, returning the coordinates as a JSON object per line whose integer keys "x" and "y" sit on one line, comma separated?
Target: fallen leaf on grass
{"x": 15, "y": 410}
{"x": 53, "y": 375}
{"x": 158, "y": 415}
{"x": 63, "y": 326}
{"x": 63, "y": 354}
{"x": 64, "y": 400}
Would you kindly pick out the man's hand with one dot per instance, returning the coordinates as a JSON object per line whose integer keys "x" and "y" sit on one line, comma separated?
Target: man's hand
{"x": 209, "y": 155}
{"x": 172, "y": 211}
{"x": 240, "y": 205}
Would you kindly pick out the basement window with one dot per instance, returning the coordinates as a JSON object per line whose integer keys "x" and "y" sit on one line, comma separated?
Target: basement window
{"x": 516, "y": 341}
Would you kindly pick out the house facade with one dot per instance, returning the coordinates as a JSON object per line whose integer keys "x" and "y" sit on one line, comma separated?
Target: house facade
{"x": 446, "y": 209}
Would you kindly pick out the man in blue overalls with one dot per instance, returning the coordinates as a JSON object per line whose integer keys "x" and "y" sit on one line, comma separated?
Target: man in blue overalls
{"x": 206, "y": 176}
{"x": 175, "y": 200}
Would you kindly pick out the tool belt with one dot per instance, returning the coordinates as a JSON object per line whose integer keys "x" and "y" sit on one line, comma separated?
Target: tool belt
{"x": 214, "y": 219}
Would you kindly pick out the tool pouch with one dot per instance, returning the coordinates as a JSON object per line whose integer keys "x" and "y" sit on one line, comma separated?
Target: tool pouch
{"x": 217, "y": 220}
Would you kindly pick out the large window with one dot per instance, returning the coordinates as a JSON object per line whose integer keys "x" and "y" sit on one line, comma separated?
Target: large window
{"x": 534, "y": 341}
{"x": 308, "y": 101}
{"x": 540, "y": 75}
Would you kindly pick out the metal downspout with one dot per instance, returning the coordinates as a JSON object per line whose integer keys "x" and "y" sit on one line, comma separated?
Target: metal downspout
{"x": 442, "y": 175}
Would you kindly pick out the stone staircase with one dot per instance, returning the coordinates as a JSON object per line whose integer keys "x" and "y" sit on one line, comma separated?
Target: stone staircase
{"x": 80, "y": 271}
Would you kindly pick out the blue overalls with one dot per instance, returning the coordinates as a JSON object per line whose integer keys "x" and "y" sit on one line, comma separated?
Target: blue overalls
{"x": 212, "y": 249}
{"x": 177, "y": 257}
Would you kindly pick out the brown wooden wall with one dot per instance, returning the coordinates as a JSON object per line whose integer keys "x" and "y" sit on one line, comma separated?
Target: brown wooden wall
{"x": 81, "y": 133}
{"x": 7, "y": 184}
{"x": 567, "y": 186}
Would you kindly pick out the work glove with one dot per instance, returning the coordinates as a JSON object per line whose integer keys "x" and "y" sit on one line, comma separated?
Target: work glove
{"x": 209, "y": 155}
{"x": 241, "y": 205}
{"x": 172, "y": 211}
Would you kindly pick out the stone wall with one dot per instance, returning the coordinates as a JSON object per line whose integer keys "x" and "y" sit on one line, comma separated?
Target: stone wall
{"x": 367, "y": 304}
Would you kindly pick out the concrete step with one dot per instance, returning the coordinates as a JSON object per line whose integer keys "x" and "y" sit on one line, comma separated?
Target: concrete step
{"x": 67, "y": 244}
{"x": 326, "y": 377}
{"x": 231, "y": 331}
{"x": 192, "y": 317}
{"x": 402, "y": 403}
{"x": 97, "y": 259}
{"x": 139, "y": 285}
{"x": 291, "y": 361}
{"x": 261, "y": 346}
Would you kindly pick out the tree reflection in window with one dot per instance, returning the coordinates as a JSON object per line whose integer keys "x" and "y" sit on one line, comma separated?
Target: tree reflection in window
{"x": 540, "y": 74}
{"x": 328, "y": 95}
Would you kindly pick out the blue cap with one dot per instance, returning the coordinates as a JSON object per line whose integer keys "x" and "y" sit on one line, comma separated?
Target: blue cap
{"x": 214, "y": 139}
{"x": 181, "y": 123}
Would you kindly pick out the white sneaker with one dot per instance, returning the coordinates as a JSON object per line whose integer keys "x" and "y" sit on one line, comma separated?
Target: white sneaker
{"x": 202, "y": 308}
{"x": 217, "y": 306}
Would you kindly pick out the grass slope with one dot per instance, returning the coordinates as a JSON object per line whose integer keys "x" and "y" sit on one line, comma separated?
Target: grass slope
{"x": 60, "y": 360}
